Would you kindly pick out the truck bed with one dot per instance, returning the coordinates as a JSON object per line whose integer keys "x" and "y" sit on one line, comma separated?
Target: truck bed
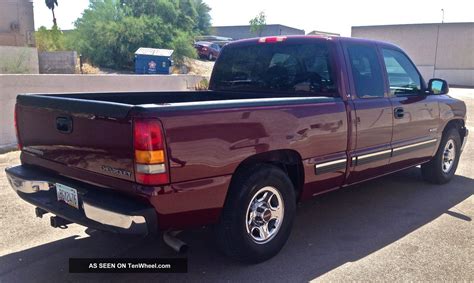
{"x": 207, "y": 132}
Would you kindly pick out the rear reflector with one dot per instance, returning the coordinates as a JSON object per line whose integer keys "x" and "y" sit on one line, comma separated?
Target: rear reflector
{"x": 272, "y": 39}
{"x": 150, "y": 155}
{"x": 152, "y": 179}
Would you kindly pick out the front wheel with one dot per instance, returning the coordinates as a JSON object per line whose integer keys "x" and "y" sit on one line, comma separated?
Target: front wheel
{"x": 442, "y": 167}
{"x": 258, "y": 215}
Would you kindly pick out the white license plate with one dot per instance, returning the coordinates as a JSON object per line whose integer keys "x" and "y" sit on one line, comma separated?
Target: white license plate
{"x": 67, "y": 195}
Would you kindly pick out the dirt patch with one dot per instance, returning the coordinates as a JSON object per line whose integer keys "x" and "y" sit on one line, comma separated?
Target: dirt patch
{"x": 195, "y": 67}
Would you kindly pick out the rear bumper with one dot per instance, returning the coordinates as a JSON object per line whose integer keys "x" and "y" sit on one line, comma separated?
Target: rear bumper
{"x": 203, "y": 53}
{"x": 98, "y": 209}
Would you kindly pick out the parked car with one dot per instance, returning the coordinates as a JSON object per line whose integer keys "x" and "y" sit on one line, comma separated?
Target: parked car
{"x": 207, "y": 50}
{"x": 285, "y": 119}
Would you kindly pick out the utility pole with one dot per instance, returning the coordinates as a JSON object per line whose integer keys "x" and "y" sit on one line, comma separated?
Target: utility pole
{"x": 442, "y": 19}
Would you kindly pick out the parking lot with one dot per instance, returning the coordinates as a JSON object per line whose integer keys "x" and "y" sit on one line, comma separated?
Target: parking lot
{"x": 393, "y": 228}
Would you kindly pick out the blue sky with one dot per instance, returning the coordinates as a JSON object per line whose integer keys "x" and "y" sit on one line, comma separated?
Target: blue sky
{"x": 333, "y": 15}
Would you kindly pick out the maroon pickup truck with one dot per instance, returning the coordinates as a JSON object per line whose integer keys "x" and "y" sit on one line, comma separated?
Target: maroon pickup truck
{"x": 284, "y": 119}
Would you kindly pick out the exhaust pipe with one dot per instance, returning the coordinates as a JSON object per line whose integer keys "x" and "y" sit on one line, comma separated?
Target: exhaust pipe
{"x": 169, "y": 237}
{"x": 58, "y": 222}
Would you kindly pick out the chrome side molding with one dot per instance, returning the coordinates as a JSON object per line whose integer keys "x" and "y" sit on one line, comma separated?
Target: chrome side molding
{"x": 330, "y": 166}
{"x": 339, "y": 164}
{"x": 415, "y": 145}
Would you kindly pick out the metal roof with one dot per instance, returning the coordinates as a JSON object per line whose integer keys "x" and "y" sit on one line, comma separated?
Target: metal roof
{"x": 154, "y": 52}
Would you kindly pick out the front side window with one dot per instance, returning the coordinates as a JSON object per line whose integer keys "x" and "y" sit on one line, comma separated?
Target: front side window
{"x": 295, "y": 68}
{"x": 402, "y": 75}
{"x": 366, "y": 71}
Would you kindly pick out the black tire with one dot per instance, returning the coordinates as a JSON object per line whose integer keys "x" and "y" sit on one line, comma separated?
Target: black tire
{"x": 433, "y": 171}
{"x": 232, "y": 236}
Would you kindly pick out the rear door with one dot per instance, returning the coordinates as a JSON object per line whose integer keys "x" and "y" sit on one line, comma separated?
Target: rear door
{"x": 373, "y": 112}
{"x": 416, "y": 114}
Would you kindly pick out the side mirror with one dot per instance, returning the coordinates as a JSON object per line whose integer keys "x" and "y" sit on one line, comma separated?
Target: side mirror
{"x": 438, "y": 86}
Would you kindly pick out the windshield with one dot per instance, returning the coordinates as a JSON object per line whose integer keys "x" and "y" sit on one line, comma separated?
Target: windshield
{"x": 304, "y": 68}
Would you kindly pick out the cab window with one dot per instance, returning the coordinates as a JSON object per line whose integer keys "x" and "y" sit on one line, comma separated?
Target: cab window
{"x": 366, "y": 71}
{"x": 402, "y": 75}
{"x": 289, "y": 68}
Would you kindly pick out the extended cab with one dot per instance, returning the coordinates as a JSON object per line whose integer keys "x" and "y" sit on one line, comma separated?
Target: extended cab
{"x": 284, "y": 119}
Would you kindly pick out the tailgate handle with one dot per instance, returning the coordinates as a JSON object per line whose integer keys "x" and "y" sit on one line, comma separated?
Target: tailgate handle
{"x": 64, "y": 125}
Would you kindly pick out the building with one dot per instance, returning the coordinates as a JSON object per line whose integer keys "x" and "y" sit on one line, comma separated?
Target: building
{"x": 323, "y": 33}
{"x": 241, "y": 32}
{"x": 444, "y": 50}
{"x": 16, "y": 23}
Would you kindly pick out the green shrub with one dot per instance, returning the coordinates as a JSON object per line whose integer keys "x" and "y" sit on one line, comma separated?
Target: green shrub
{"x": 183, "y": 47}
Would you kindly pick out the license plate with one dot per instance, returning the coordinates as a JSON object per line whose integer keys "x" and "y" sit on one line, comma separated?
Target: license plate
{"x": 67, "y": 195}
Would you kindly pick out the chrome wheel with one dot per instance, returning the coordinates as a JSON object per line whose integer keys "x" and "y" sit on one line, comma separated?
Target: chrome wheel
{"x": 449, "y": 156}
{"x": 264, "y": 215}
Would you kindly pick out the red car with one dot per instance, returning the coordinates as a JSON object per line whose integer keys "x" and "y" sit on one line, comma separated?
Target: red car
{"x": 207, "y": 50}
{"x": 284, "y": 119}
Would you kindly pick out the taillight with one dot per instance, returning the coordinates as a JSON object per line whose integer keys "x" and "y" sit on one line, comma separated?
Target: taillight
{"x": 150, "y": 153}
{"x": 20, "y": 146}
{"x": 204, "y": 48}
{"x": 271, "y": 39}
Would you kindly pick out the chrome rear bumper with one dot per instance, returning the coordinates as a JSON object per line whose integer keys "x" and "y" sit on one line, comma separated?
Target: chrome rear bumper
{"x": 97, "y": 210}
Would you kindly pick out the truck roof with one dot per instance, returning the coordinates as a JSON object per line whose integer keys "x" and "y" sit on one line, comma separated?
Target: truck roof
{"x": 305, "y": 38}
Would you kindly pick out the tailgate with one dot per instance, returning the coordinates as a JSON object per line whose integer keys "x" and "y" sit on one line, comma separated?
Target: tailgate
{"x": 90, "y": 135}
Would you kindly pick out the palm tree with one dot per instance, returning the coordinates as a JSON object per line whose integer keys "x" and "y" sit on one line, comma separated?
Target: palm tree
{"x": 50, "y": 4}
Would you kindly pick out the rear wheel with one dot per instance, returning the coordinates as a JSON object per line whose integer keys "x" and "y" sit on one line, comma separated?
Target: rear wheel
{"x": 211, "y": 57}
{"x": 258, "y": 214}
{"x": 442, "y": 167}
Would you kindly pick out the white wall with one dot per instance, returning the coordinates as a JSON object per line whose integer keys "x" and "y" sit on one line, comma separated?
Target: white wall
{"x": 440, "y": 50}
{"x": 12, "y": 85}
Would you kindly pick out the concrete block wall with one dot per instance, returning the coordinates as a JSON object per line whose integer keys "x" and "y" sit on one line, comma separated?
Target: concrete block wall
{"x": 57, "y": 62}
{"x": 12, "y": 85}
{"x": 17, "y": 25}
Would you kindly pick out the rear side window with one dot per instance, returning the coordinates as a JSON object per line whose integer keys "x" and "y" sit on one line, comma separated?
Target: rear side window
{"x": 402, "y": 75}
{"x": 366, "y": 71}
{"x": 304, "y": 68}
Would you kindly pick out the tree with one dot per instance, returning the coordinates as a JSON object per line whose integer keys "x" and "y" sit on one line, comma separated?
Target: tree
{"x": 257, "y": 24}
{"x": 204, "y": 18}
{"x": 110, "y": 31}
{"x": 50, "y": 4}
{"x": 183, "y": 48}
{"x": 50, "y": 40}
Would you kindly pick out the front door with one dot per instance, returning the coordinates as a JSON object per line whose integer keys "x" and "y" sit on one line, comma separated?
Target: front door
{"x": 416, "y": 114}
{"x": 371, "y": 152}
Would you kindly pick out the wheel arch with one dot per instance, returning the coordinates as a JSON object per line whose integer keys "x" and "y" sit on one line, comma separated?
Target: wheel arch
{"x": 288, "y": 160}
{"x": 457, "y": 124}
